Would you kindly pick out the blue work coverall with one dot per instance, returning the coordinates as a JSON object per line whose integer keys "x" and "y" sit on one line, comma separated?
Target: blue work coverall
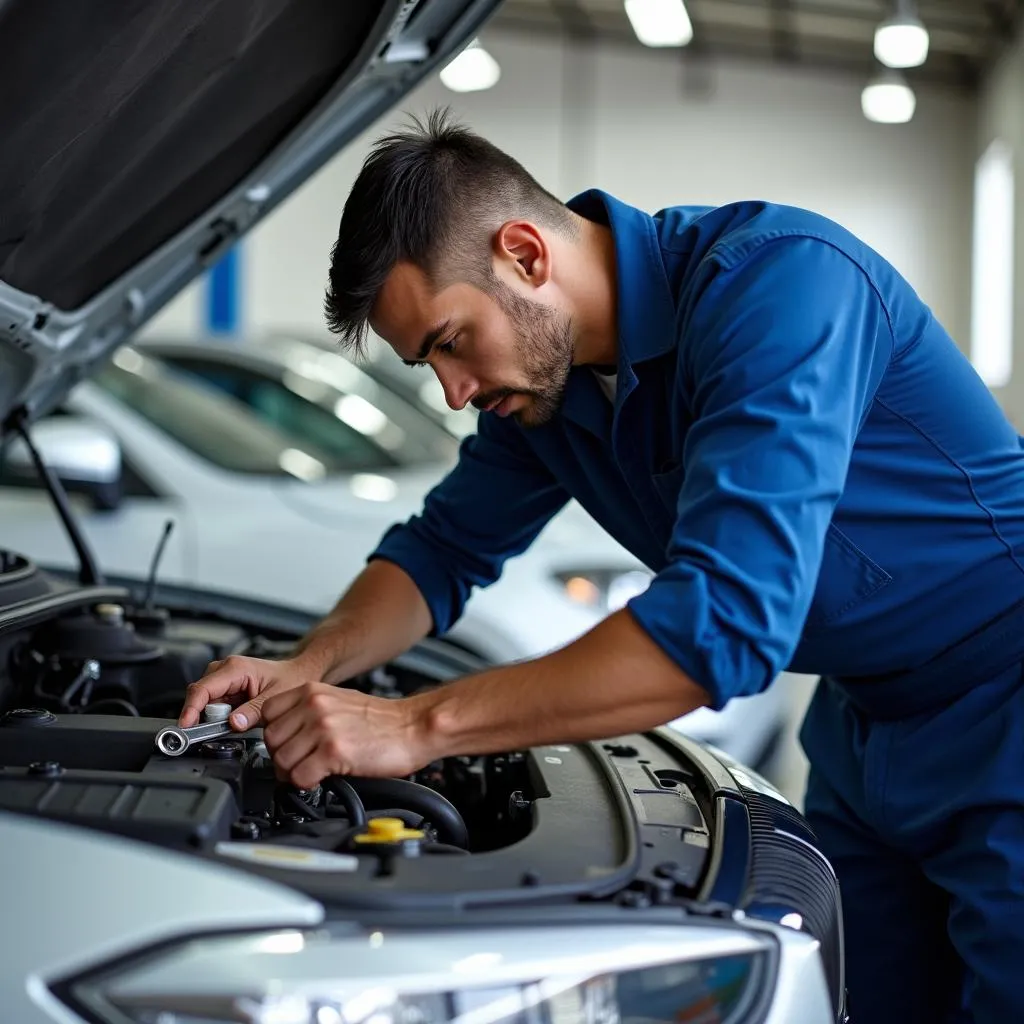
{"x": 821, "y": 483}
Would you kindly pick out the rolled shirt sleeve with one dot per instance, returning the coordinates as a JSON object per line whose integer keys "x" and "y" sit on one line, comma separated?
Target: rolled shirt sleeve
{"x": 489, "y": 508}
{"x": 783, "y": 349}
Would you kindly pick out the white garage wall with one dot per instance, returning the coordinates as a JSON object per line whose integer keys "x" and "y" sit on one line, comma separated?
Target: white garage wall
{"x": 1001, "y": 116}
{"x": 799, "y": 139}
{"x": 635, "y": 123}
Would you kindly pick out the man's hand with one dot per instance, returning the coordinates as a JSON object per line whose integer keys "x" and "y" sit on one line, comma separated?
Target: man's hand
{"x": 612, "y": 680}
{"x": 315, "y": 730}
{"x": 236, "y": 677}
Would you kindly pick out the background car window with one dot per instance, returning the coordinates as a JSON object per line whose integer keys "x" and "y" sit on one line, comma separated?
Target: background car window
{"x": 213, "y": 425}
{"x": 294, "y": 414}
{"x": 317, "y": 392}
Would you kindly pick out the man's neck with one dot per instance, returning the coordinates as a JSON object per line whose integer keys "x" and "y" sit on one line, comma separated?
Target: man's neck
{"x": 591, "y": 287}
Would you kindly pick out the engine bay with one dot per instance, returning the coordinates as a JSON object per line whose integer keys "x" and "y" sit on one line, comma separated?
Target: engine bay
{"x": 90, "y": 675}
{"x": 85, "y": 692}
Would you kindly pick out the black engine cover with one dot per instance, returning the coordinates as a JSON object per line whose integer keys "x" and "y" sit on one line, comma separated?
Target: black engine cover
{"x": 104, "y": 771}
{"x": 176, "y": 811}
{"x": 99, "y": 742}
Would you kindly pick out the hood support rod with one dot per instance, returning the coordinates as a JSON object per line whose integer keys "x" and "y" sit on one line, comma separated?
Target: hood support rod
{"x": 88, "y": 571}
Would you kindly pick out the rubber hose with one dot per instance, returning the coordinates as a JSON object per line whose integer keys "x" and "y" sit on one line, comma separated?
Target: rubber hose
{"x": 444, "y": 848}
{"x": 439, "y": 810}
{"x": 349, "y": 798}
{"x": 408, "y": 818}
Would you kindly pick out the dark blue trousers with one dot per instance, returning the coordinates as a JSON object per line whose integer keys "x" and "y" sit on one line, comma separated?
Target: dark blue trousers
{"x": 916, "y": 793}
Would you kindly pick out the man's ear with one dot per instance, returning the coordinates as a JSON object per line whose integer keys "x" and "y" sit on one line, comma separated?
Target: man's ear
{"x": 521, "y": 246}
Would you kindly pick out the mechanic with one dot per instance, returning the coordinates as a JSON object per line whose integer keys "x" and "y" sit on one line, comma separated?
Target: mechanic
{"x": 759, "y": 407}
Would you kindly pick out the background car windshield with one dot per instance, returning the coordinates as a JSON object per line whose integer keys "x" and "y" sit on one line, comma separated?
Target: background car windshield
{"x": 223, "y": 431}
{"x": 319, "y": 396}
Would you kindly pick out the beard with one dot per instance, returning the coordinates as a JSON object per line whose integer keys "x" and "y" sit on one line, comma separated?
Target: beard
{"x": 545, "y": 350}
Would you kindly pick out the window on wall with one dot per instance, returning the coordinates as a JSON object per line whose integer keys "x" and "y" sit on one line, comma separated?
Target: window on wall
{"x": 992, "y": 266}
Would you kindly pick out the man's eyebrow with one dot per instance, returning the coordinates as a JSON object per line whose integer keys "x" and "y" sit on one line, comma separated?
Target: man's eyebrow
{"x": 428, "y": 342}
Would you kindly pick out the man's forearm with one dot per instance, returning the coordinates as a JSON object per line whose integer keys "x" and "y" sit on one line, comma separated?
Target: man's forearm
{"x": 381, "y": 615}
{"x": 610, "y": 681}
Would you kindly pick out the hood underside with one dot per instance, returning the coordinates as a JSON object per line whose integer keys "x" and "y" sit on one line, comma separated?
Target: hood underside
{"x": 142, "y": 140}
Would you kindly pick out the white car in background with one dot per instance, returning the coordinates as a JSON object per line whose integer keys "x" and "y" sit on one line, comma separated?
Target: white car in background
{"x": 371, "y": 415}
{"x": 281, "y": 498}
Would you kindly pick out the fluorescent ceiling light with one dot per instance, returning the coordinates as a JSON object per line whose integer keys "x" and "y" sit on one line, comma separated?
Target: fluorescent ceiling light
{"x": 901, "y": 42}
{"x": 660, "y": 22}
{"x": 472, "y": 70}
{"x": 888, "y": 100}
{"x": 992, "y": 267}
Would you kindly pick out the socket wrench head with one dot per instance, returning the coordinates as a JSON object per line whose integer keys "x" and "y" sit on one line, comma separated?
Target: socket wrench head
{"x": 172, "y": 741}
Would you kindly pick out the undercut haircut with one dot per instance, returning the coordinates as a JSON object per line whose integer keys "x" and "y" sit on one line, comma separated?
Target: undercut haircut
{"x": 432, "y": 195}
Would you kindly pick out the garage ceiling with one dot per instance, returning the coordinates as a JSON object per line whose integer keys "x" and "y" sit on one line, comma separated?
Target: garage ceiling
{"x": 966, "y": 35}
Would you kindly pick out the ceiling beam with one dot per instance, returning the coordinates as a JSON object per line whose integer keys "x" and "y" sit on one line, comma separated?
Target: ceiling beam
{"x": 784, "y": 37}
{"x": 972, "y": 19}
{"x": 575, "y": 19}
{"x": 1000, "y": 17}
{"x": 939, "y": 73}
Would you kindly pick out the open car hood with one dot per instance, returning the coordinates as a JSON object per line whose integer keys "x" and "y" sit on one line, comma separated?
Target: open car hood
{"x": 141, "y": 141}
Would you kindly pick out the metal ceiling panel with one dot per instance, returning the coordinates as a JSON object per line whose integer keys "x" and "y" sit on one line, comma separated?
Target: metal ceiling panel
{"x": 967, "y": 36}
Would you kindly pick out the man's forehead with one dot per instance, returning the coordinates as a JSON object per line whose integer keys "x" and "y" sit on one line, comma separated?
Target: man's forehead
{"x": 403, "y": 307}
{"x": 409, "y": 315}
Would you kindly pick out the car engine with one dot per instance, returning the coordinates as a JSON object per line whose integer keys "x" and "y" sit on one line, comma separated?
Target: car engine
{"x": 90, "y": 673}
{"x": 85, "y": 688}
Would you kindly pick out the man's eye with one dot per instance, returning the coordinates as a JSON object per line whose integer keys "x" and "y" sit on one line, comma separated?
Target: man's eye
{"x": 447, "y": 347}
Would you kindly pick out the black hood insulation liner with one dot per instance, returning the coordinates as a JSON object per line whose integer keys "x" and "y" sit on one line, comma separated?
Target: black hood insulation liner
{"x": 126, "y": 119}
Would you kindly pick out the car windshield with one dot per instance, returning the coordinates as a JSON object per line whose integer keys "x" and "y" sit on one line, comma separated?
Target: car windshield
{"x": 223, "y": 431}
{"x": 315, "y": 394}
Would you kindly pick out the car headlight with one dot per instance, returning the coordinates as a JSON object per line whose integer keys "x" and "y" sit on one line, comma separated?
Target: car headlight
{"x": 563, "y": 975}
{"x": 607, "y": 589}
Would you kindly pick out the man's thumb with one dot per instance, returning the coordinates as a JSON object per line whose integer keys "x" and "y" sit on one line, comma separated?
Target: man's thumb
{"x": 247, "y": 715}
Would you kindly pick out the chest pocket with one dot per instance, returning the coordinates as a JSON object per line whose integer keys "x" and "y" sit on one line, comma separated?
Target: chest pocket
{"x": 668, "y": 484}
{"x": 847, "y": 578}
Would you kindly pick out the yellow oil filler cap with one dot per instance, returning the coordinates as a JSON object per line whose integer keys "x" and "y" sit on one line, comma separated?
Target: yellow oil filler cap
{"x": 388, "y": 830}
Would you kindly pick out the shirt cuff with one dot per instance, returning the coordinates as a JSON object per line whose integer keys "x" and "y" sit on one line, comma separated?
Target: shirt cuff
{"x": 444, "y": 596}
{"x": 675, "y": 612}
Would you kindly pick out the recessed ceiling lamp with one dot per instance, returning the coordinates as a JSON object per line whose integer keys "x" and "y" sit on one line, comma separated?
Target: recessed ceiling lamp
{"x": 473, "y": 70}
{"x": 660, "y": 22}
{"x": 902, "y": 40}
{"x": 888, "y": 99}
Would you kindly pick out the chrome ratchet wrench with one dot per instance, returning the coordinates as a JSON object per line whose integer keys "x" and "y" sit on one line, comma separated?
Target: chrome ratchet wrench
{"x": 174, "y": 741}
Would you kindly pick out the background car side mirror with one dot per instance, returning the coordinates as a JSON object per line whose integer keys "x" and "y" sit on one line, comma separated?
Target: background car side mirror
{"x": 82, "y": 453}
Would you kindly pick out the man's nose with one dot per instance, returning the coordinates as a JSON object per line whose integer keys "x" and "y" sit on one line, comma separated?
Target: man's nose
{"x": 459, "y": 388}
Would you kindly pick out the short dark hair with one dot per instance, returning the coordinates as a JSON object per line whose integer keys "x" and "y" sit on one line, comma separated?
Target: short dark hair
{"x": 431, "y": 195}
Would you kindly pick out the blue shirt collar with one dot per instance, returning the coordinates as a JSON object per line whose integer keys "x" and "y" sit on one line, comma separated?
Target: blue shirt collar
{"x": 646, "y": 311}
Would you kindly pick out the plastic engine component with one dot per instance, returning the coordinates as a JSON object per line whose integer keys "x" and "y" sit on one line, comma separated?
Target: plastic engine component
{"x": 179, "y": 812}
{"x": 216, "y": 712}
{"x": 77, "y": 741}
